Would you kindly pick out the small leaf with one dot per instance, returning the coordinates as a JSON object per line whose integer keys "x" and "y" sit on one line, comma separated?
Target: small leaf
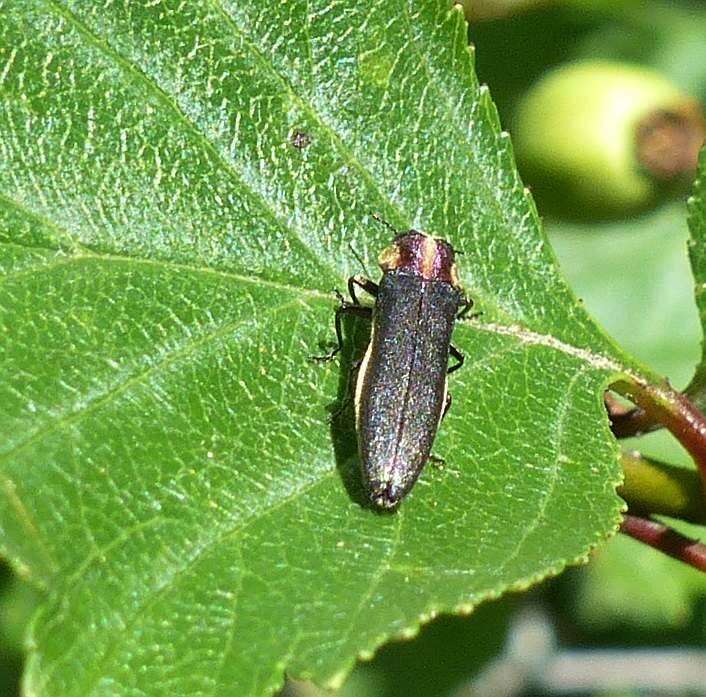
{"x": 180, "y": 185}
{"x": 697, "y": 254}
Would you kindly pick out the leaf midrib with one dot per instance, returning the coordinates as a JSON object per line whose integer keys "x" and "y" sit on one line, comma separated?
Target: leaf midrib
{"x": 597, "y": 361}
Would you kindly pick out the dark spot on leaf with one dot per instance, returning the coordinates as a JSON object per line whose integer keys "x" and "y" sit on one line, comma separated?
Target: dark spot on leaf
{"x": 301, "y": 139}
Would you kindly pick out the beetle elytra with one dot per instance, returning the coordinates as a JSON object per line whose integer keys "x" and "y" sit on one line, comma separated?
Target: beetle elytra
{"x": 401, "y": 392}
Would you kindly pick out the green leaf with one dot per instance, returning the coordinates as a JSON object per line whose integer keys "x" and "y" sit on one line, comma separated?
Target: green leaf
{"x": 606, "y": 596}
{"x": 426, "y": 666}
{"x": 634, "y": 277}
{"x": 697, "y": 253}
{"x": 180, "y": 184}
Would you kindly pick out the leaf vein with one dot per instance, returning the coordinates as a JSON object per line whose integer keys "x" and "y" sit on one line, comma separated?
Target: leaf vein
{"x": 155, "y": 594}
{"x": 228, "y": 166}
{"x": 23, "y": 209}
{"x": 349, "y": 155}
{"x": 170, "y": 356}
{"x": 562, "y": 411}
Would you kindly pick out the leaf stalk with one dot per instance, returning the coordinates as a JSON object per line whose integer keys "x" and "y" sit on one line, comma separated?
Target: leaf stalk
{"x": 665, "y": 539}
{"x": 674, "y": 410}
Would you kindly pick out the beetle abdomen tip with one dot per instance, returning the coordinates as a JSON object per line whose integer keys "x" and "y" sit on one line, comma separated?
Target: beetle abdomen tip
{"x": 385, "y": 494}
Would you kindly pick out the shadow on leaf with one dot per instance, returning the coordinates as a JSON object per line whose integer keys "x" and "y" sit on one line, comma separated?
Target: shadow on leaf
{"x": 356, "y": 333}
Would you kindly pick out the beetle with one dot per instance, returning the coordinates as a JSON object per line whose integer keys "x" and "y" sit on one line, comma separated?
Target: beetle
{"x": 401, "y": 391}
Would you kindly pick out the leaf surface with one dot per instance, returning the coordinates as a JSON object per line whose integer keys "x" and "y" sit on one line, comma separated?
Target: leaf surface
{"x": 634, "y": 277}
{"x": 180, "y": 185}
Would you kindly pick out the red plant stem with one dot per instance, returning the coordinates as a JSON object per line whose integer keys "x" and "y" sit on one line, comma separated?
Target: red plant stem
{"x": 674, "y": 410}
{"x": 666, "y": 540}
{"x": 626, "y": 423}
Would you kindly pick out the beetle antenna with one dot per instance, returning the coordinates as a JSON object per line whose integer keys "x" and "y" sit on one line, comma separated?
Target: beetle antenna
{"x": 382, "y": 220}
{"x": 359, "y": 259}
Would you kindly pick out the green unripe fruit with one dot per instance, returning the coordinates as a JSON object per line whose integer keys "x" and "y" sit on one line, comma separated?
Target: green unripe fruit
{"x": 607, "y": 137}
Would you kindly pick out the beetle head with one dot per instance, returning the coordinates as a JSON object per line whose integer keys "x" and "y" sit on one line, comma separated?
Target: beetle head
{"x": 422, "y": 255}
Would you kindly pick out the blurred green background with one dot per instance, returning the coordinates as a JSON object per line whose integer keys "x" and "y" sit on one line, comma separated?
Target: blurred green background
{"x": 633, "y": 275}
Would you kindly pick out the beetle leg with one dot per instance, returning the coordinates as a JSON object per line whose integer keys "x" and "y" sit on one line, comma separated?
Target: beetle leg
{"x": 438, "y": 461}
{"x": 365, "y": 283}
{"x": 466, "y": 306}
{"x": 344, "y": 309}
{"x": 336, "y": 413}
{"x": 458, "y": 356}
{"x": 343, "y": 404}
